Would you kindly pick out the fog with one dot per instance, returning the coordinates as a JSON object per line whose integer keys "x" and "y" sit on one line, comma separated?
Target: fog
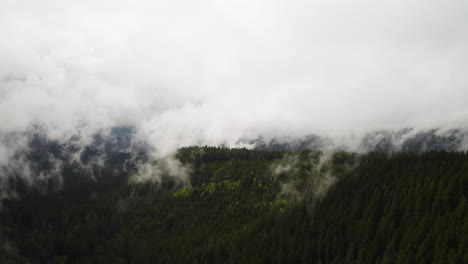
{"x": 211, "y": 72}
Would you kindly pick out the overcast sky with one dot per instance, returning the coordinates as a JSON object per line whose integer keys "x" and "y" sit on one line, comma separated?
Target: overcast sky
{"x": 186, "y": 72}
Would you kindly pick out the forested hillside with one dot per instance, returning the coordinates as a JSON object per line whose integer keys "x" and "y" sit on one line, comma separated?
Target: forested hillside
{"x": 255, "y": 206}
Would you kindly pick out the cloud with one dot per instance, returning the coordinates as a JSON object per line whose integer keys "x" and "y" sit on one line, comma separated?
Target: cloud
{"x": 210, "y": 72}
{"x": 167, "y": 166}
{"x": 311, "y": 173}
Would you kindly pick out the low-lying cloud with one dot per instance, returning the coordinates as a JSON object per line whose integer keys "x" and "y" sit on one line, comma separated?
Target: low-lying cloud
{"x": 211, "y": 72}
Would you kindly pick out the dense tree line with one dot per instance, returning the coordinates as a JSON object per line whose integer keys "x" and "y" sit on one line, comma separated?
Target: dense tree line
{"x": 398, "y": 208}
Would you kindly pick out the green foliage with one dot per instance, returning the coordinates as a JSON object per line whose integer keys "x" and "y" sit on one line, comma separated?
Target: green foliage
{"x": 402, "y": 208}
{"x": 181, "y": 192}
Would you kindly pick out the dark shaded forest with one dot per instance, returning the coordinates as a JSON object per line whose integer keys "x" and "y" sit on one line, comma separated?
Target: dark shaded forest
{"x": 255, "y": 206}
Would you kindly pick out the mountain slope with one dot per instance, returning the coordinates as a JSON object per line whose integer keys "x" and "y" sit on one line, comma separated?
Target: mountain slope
{"x": 246, "y": 206}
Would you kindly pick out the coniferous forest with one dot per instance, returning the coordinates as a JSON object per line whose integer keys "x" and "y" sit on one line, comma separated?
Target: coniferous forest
{"x": 237, "y": 132}
{"x": 254, "y": 206}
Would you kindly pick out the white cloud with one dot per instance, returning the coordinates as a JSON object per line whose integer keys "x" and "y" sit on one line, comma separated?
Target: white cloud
{"x": 188, "y": 72}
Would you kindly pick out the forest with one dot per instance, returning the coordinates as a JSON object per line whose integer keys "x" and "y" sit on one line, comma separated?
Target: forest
{"x": 254, "y": 206}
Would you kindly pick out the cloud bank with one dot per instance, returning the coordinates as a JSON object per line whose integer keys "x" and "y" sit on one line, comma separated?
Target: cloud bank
{"x": 210, "y": 72}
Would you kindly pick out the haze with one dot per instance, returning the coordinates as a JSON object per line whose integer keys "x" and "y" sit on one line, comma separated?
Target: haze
{"x": 211, "y": 72}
